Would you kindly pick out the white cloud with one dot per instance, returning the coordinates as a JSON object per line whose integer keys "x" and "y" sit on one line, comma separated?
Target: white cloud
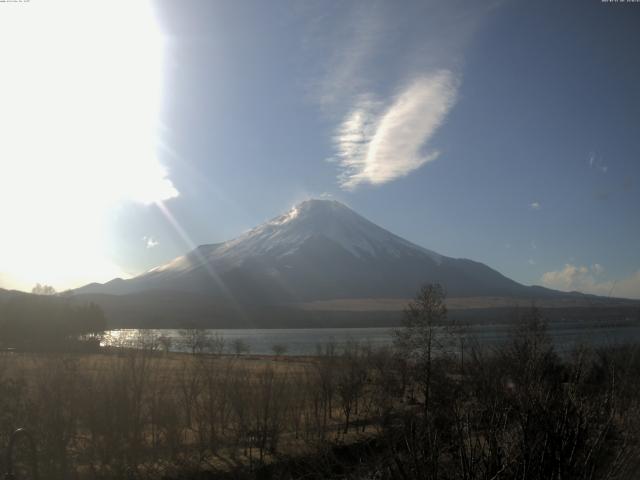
{"x": 380, "y": 137}
{"x": 376, "y": 145}
{"x": 150, "y": 242}
{"x": 534, "y": 205}
{"x": 588, "y": 280}
{"x": 347, "y": 42}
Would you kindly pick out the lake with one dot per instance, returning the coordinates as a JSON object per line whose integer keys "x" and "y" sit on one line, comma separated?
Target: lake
{"x": 305, "y": 341}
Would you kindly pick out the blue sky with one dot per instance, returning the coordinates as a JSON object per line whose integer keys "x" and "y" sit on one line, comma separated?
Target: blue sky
{"x": 507, "y": 132}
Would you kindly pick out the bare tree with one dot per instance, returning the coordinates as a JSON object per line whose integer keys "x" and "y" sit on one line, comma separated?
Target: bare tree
{"x": 279, "y": 349}
{"x": 239, "y": 346}
{"x": 217, "y": 343}
{"x": 40, "y": 289}
{"x": 417, "y": 341}
{"x": 351, "y": 380}
{"x": 197, "y": 340}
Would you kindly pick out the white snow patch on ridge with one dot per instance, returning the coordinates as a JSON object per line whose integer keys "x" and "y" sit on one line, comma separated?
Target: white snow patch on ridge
{"x": 285, "y": 234}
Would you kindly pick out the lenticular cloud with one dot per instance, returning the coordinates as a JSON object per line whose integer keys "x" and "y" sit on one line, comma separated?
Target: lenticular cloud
{"x": 375, "y": 144}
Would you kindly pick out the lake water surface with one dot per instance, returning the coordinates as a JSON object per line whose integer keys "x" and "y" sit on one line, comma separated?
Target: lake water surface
{"x": 305, "y": 341}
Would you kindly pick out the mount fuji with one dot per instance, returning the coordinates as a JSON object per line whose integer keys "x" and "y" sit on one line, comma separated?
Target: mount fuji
{"x": 320, "y": 250}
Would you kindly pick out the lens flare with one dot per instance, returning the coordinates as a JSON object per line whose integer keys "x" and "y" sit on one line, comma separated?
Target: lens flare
{"x": 80, "y": 101}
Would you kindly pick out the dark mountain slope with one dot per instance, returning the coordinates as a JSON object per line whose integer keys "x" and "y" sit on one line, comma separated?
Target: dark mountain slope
{"x": 318, "y": 250}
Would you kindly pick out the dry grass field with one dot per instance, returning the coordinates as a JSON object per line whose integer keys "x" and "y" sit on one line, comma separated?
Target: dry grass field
{"x": 517, "y": 411}
{"x": 462, "y": 303}
{"x": 98, "y": 415}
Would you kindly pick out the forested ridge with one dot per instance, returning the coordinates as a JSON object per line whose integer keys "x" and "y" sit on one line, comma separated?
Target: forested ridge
{"x": 28, "y": 319}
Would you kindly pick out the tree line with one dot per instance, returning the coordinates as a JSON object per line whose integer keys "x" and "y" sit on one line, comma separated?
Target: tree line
{"x": 38, "y": 319}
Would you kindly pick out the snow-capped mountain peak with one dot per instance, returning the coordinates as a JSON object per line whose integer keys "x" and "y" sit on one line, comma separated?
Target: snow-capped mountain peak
{"x": 319, "y": 249}
{"x": 327, "y": 219}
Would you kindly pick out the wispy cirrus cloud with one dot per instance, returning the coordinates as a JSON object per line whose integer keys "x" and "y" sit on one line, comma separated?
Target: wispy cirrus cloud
{"x": 352, "y": 45}
{"x": 388, "y": 76}
{"x": 588, "y": 279}
{"x": 377, "y": 143}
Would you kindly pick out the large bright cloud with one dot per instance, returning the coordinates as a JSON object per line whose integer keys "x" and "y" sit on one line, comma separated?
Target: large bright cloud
{"x": 79, "y": 106}
{"x": 589, "y": 280}
{"x": 376, "y": 143}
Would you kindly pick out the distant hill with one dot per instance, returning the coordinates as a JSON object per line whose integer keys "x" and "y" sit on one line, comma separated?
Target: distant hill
{"x": 6, "y": 294}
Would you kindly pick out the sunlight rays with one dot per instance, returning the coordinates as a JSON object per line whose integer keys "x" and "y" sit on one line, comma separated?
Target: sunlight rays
{"x": 201, "y": 259}
{"x": 81, "y": 97}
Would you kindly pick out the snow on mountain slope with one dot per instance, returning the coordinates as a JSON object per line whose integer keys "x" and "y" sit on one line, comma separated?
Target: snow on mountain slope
{"x": 320, "y": 249}
{"x": 283, "y": 235}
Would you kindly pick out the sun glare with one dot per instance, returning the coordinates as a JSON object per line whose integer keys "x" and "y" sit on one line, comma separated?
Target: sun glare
{"x": 79, "y": 103}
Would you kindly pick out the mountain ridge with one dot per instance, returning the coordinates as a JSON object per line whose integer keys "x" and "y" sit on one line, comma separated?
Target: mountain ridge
{"x": 318, "y": 250}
